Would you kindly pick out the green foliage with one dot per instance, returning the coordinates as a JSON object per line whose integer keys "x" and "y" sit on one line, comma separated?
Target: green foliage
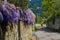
{"x": 47, "y": 6}
{"x": 39, "y": 19}
{"x": 51, "y": 8}
{"x": 21, "y": 3}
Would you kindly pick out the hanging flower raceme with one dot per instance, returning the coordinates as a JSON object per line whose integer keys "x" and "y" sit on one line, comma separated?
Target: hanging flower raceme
{"x": 1, "y": 8}
{"x": 32, "y": 15}
{"x": 10, "y": 13}
{"x": 1, "y": 17}
{"x": 18, "y": 14}
{"x": 21, "y": 14}
{"x": 14, "y": 13}
{"x": 3, "y": 11}
{"x": 29, "y": 16}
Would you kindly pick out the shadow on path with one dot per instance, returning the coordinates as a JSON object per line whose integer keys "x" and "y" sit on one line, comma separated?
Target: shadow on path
{"x": 47, "y": 30}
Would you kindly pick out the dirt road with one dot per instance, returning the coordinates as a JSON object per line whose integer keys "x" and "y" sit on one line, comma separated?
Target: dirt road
{"x": 46, "y": 34}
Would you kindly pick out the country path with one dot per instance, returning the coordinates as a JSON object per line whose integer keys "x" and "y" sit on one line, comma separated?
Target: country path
{"x": 46, "y": 34}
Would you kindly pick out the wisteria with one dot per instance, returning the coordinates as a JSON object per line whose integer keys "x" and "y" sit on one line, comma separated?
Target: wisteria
{"x": 11, "y": 13}
{"x": 29, "y": 16}
{"x": 1, "y": 17}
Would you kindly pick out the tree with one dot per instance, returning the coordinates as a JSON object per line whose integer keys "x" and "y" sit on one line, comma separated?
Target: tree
{"x": 51, "y": 8}
{"x": 21, "y": 3}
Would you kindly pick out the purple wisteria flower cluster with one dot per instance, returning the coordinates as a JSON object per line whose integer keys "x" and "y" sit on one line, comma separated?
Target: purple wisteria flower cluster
{"x": 11, "y": 13}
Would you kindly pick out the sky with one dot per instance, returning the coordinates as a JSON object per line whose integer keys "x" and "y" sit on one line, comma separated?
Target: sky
{"x": 29, "y": 0}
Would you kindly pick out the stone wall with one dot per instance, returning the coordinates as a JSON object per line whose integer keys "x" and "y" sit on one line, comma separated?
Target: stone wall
{"x": 12, "y": 31}
{"x": 26, "y": 31}
{"x": 9, "y": 31}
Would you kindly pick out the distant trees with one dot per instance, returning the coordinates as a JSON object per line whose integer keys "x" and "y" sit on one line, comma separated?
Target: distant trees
{"x": 51, "y": 8}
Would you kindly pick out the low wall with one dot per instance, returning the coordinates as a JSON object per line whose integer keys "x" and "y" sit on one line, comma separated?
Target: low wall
{"x": 12, "y": 31}
{"x": 26, "y": 31}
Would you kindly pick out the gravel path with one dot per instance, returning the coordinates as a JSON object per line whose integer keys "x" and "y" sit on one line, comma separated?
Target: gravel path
{"x": 46, "y": 34}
